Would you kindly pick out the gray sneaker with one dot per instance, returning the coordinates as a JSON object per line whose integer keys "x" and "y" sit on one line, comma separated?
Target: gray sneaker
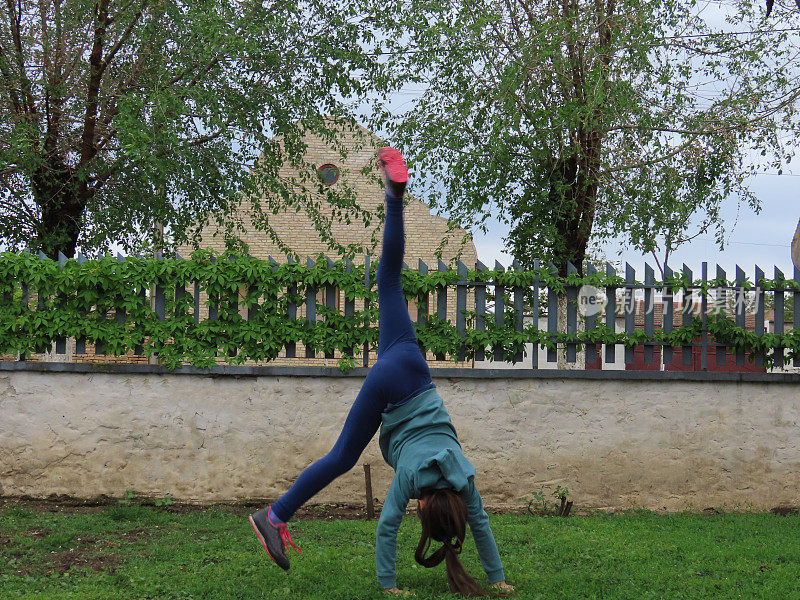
{"x": 273, "y": 537}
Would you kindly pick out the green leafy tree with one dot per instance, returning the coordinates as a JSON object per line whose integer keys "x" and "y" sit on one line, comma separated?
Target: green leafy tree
{"x": 121, "y": 117}
{"x": 574, "y": 119}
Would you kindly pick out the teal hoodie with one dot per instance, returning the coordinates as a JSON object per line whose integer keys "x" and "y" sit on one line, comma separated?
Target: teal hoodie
{"x": 420, "y": 443}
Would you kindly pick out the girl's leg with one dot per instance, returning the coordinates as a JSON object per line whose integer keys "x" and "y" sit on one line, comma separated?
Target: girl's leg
{"x": 394, "y": 323}
{"x": 399, "y": 373}
{"x": 402, "y": 366}
{"x": 359, "y": 427}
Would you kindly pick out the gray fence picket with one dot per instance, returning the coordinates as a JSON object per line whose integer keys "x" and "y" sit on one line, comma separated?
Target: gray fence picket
{"x": 98, "y": 345}
{"x": 25, "y": 303}
{"x": 291, "y": 312}
{"x": 196, "y": 301}
{"x": 686, "y": 319}
{"x": 572, "y": 315}
{"x": 441, "y": 303}
{"x": 721, "y": 303}
{"x": 480, "y": 309}
{"x": 311, "y": 308}
{"x": 213, "y": 307}
{"x": 252, "y": 302}
{"x": 552, "y": 319}
{"x": 499, "y": 310}
{"x": 233, "y": 308}
{"x": 181, "y": 293}
{"x": 331, "y": 293}
{"x": 740, "y": 309}
{"x": 367, "y": 288}
{"x": 759, "y": 324}
{"x": 40, "y": 306}
{"x": 704, "y": 320}
{"x": 535, "y": 311}
{"x": 80, "y": 343}
{"x": 779, "y": 316}
{"x": 404, "y": 268}
{"x": 461, "y": 308}
{"x": 138, "y": 349}
{"x": 120, "y": 314}
{"x": 590, "y": 320}
{"x": 796, "y": 313}
{"x": 254, "y": 306}
{"x": 160, "y": 302}
{"x": 349, "y": 306}
{"x": 611, "y": 314}
{"x": 422, "y": 305}
{"x": 630, "y": 311}
{"x": 668, "y": 319}
{"x": 61, "y": 342}
{"x": 519, "y": 311}
{"x": 7, "y": 296}
{"x": 649, "y": 312}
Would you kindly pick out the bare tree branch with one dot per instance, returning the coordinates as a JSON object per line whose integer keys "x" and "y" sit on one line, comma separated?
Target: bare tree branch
{"x": 124, "y": 37}
{"x": 88, "y": 148}
{"x": 15, "y": 19}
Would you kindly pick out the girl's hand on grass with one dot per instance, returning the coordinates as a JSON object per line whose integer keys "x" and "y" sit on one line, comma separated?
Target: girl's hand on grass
{"x": 502, "y": 585}
{"x": 399, "y": 592}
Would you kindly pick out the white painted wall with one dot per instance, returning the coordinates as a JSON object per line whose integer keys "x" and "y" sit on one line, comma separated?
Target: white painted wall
{"x": 660, "y": 444}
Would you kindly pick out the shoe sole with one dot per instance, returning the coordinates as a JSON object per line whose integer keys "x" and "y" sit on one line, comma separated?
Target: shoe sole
{"x": 395, "y": 167}
{"x": 263, "y": 542}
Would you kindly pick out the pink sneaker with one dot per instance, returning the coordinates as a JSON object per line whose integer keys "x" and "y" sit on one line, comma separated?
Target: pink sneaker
{"x": 394, "y": 170}
{"x": 273, "y": 537}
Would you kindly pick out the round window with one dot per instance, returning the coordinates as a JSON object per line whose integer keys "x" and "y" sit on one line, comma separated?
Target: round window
{"x": 328, "y": 174}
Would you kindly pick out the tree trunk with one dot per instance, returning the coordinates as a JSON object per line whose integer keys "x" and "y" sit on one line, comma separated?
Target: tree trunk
{"x": 60, "y": 200}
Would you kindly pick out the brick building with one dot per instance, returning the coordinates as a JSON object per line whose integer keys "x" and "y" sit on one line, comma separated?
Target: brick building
{"x": 358, "y": 173}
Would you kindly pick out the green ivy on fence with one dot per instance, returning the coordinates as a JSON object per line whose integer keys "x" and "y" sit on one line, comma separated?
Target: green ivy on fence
{"x": 104, "y": 301}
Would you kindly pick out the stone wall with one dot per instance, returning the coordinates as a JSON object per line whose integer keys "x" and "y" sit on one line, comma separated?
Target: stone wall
{"x": 657, "y": 441}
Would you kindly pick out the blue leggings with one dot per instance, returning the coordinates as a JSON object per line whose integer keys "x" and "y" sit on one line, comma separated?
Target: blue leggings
{"x": 399, "y": 374}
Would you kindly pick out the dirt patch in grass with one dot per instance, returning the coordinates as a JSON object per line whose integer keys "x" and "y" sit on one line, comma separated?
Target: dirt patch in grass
{"x": 70, "y": 505}
{"x": 785, "y": 510}
{"x": 87, "y": 553}
{"x": 55, "y": 503}
{"x": 334, "y": 512}
{"x": 61, "y": 562}
{"x": 134, "y": 535}
{"x": 37, "y": 533}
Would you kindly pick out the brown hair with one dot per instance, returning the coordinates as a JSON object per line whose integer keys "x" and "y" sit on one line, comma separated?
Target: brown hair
{"x": 443, "y": 514}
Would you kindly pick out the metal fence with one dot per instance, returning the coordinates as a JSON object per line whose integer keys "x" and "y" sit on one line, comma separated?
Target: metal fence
{"x": 628, "y": 307}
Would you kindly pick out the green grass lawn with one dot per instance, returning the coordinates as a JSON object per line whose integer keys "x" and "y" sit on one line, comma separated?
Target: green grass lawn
{"x": 135, "y": 552}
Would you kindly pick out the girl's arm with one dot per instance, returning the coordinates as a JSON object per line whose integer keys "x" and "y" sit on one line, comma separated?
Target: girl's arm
{"x": 484, "y": 540}
{"x": 386, "y": 543}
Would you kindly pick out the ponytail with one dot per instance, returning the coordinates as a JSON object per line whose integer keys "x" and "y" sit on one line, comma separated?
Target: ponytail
{"x": 444, "y": 518}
